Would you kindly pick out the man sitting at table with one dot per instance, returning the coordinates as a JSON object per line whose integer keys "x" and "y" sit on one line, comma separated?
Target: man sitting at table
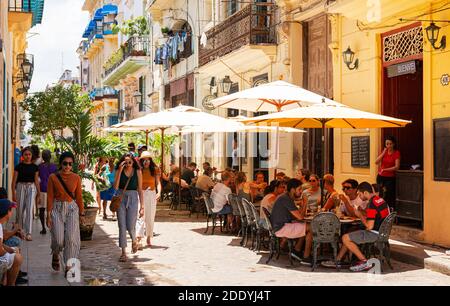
{"x": 204, "y": 182}
{"x": 257, "y": 187}
{"x": 285, "y": 216}
{"x": 351, "y": 200}
{"x": 376, "y": 211}
{"x": 219, "y": 196}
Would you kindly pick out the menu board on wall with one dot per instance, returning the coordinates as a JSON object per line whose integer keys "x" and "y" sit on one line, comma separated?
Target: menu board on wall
{"x": 361, "y": 151}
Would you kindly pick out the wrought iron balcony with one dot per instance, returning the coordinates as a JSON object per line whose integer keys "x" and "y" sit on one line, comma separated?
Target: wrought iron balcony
{"x": 252, "y": 25}
{"x": 130, "y": 54}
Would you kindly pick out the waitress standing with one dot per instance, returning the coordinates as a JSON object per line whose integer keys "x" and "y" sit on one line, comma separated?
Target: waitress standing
{"x": 389, "y": 163}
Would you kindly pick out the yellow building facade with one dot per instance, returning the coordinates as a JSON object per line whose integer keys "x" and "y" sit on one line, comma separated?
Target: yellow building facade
{"x": 392, "y": 35}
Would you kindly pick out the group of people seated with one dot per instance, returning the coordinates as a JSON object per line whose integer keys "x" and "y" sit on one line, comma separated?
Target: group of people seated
{"x": 10, "y": 245}
{"x": 290, "y": 200}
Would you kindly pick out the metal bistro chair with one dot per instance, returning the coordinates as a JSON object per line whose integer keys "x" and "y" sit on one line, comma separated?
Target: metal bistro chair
{"x": 244, "y": 224}
{"x": 382, "y": 244}
{"x": 274, "y": 244}
{"x": 210, "y": 214}
{"x": 326, "y": 228}
{"x": 250, "y": 221}
{"x": 259, "y": 230}
{"x": 197, "y": 201}
{"x": 233, "y": 201}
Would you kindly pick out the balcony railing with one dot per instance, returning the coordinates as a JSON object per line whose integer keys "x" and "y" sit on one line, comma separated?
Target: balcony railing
{"x": 135, "y": 46}
{"x": 253, "y": 25}
{"x": 22, "y": 6}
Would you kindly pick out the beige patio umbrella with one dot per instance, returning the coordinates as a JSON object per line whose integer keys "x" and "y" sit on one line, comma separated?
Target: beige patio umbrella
{"x": 327, "y": 115}
{"x": 271, "y": 97}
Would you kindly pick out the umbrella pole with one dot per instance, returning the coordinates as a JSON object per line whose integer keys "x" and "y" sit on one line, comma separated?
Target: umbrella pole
{"x": 323, "y": 163}
{"x": 162, "y": 150}
{"x": 146, "y": 137}
{"x": 180, "y": 161}
{"x": 277, "y": 151}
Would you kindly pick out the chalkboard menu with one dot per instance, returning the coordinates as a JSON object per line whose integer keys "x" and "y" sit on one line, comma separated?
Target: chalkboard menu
{"x": 442, "y": 149}
{"x": 361, "y": 151}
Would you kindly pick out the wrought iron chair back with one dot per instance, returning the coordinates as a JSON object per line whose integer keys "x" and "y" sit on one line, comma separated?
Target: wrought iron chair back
{"x": 208, "y": 203}
{"x": 386, "y": 227}
{"x": 233, "y": 201}
{"x": 248, "y": 212}
{"x": 326, "y": 227}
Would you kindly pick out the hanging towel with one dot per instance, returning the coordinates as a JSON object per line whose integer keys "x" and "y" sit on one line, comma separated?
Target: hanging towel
{"x": 203, "y": 40}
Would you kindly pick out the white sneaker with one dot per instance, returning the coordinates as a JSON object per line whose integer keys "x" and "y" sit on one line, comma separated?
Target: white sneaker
{"x": 360, "y": 266}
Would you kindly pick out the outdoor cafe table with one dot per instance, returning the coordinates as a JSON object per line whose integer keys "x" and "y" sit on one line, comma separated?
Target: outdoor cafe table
{"x": 343, "y": 220}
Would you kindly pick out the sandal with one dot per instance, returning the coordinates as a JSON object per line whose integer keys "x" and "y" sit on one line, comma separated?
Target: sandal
{"x": 28, "y": 237}
{"x": 134, "y": 247}
{"x": 123, "y": 258}
{"x": 55, "y": 263}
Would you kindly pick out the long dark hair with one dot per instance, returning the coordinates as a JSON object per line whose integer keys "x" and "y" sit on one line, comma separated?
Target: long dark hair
{"x": 273, "y": 186}
{"x": 152, "y": 167}
{"x": 135, "y": 163}
{"x": 393, "y": 140}
{"x": 64, "y": 156}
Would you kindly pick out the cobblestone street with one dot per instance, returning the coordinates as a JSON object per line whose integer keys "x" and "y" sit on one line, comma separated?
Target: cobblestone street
{"x": 183, "y": 255}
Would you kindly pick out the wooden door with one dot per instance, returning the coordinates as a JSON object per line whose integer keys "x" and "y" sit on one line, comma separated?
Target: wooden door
{"x": 319, "y": 79}
{"x": 403, "y": 98}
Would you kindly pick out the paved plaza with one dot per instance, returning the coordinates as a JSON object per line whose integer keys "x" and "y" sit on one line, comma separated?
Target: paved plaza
{"x": 183, "y": 255}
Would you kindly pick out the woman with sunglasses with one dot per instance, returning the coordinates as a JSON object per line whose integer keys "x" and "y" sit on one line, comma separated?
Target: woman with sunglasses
{"x": 129, "y": 178}
{"x": 275, "y": 188}
{"x": 151, "y": 186}
{"x": 311, "y": 196}
{"x": 26, "y": 191}
{"x": 64, "y": 208}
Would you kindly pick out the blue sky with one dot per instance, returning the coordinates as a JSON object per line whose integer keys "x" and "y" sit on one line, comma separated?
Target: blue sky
{"x": 58, "y": 36}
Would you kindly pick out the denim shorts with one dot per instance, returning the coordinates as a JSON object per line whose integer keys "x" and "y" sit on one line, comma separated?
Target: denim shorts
{"x": 226, "y": 210}
{"x": 13, "y": 242}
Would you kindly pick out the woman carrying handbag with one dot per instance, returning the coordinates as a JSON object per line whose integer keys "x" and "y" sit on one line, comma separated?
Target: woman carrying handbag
{"x": 129, "y": 182}
{"x": 64, "y": 209}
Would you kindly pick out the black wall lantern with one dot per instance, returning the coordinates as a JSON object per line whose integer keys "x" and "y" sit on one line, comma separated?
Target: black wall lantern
{"x": 349, "y": 56}
{"x": 433, "y": 36}
{"x": 226, "y": 84}
{"x": 26, "y": 67}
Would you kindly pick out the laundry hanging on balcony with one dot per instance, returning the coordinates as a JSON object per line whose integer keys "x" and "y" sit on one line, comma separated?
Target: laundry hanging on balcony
{"x": 172, "y": 50}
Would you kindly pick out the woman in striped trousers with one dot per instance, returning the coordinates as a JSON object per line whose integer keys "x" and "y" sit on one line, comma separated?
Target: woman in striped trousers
{"x": 64, "y": 208}
{"x": 25, "y": 191}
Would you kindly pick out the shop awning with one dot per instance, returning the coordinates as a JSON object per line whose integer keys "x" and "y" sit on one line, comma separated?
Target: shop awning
{"x": 98, "y": 16}
{"x": 109, "y": 9}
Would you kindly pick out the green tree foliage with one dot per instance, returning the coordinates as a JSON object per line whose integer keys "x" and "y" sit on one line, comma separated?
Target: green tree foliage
{"x": 55, "y": 109}
{"x": 136, "y": 26}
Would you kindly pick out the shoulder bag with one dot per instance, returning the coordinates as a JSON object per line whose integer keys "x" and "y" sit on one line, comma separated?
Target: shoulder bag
{"x": 117, "y": 199}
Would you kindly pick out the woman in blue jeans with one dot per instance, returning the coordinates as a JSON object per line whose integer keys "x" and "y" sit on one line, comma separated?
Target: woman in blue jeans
{"x": 129, "y": 178}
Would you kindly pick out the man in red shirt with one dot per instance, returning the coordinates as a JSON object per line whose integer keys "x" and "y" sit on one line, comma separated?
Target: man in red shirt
{"x": 377, "y": 210}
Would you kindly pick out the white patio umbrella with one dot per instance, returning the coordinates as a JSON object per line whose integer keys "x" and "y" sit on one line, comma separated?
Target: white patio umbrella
{"x": 179, "y": 117}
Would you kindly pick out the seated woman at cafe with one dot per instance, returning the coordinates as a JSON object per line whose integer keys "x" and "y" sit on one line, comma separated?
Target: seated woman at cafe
{"x": 303, "y": 175}
{"x": 242, "y": 188}
{"x": 205, "y": 182}
{"x": 176, "y": 178}
{"x": 311, "y": 196}
{"x": 257, "y": 187}
{"x": 331, "y": 198}
{"x": 275, "y": 188}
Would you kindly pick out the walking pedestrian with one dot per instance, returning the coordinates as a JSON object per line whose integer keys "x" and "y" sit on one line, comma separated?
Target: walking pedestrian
{"x": 129, "y": 182}
{"x": 108, "y": 194}
{"x": 151, "y": 186}
{"x": 64, "y": 208}
{"x": 25, "y": 191}
{"x": 46, "y": 168}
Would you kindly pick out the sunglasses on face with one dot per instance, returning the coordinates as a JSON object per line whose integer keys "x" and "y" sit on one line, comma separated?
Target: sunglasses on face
{"x": 312, "y": 181}
{"x": 67, "y": 164}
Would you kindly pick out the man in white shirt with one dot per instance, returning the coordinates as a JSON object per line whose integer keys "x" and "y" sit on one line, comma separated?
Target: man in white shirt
{"x": 219, "y": 196}
{"x": 351, "y": 200}
{"x": 10, "y": 259}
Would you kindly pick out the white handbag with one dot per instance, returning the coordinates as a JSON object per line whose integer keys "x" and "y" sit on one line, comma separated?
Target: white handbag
{"x": 140, "y": 228}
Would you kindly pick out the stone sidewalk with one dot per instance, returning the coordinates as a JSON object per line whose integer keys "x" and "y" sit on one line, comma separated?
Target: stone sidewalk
{"x": 183, "y": 255}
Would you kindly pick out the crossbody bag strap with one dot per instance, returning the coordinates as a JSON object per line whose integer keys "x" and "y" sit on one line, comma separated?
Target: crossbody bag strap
{"x": 70, "y": 194}
{"x": 128, "y": 181}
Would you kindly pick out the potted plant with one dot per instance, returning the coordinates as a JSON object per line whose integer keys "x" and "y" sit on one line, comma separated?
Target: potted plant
{"x": 87, "y": 222}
